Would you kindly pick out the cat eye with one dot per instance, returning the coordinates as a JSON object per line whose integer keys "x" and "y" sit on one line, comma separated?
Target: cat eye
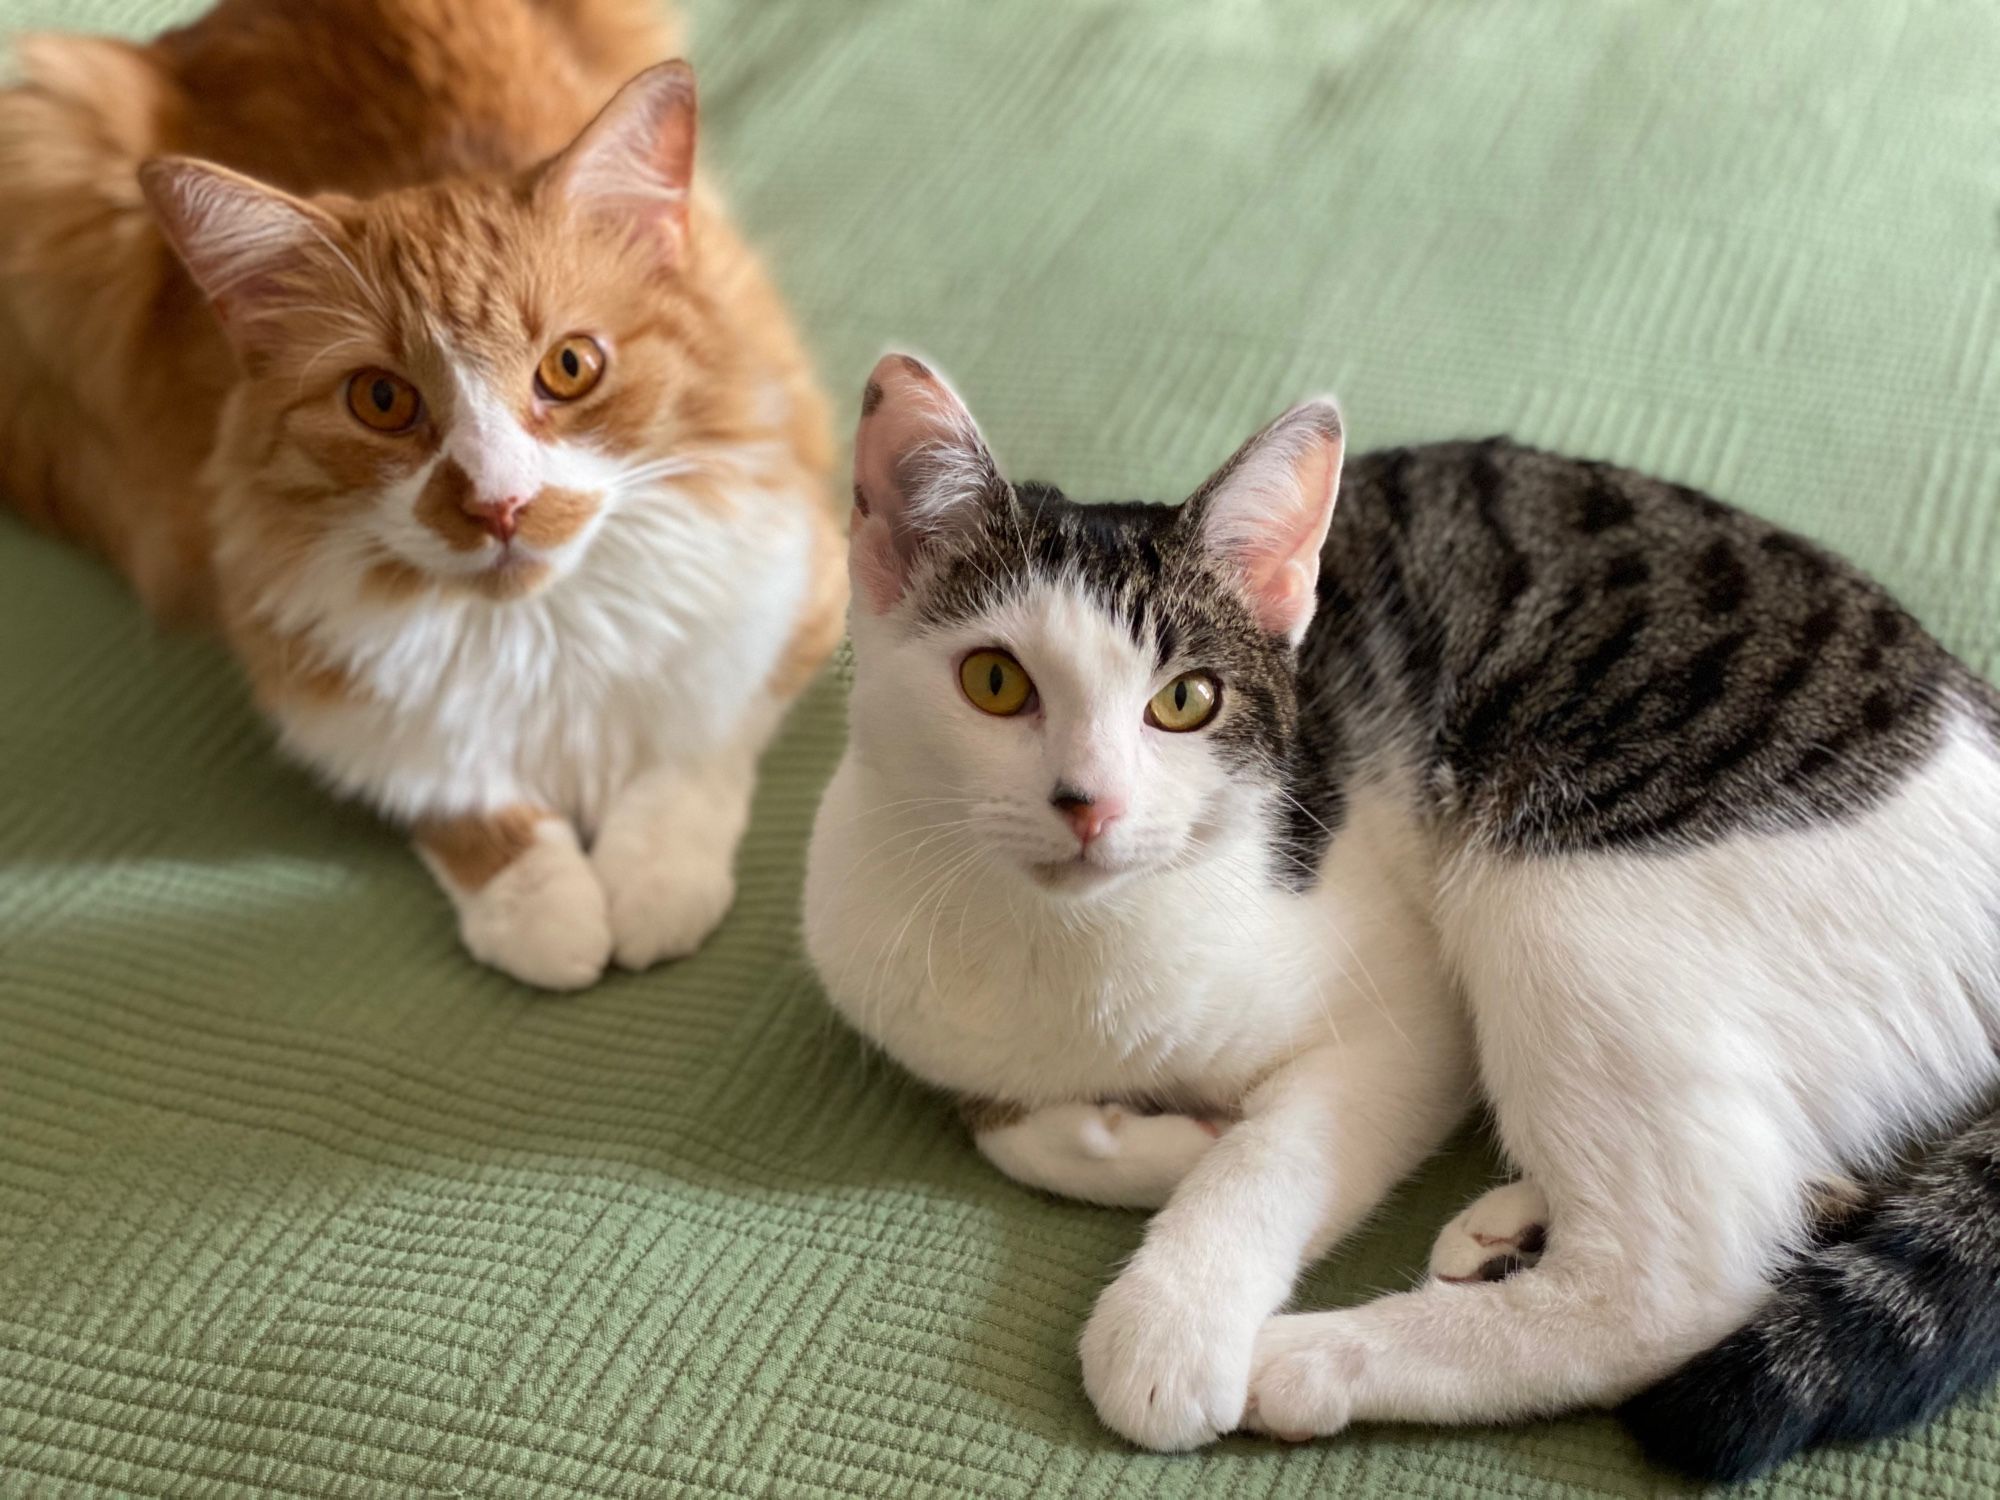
{"x": 1188, "y": 702}
{"x": 995, "y": 682}
{"x": 571, "y": 369}
{"x": 383, "y": 401}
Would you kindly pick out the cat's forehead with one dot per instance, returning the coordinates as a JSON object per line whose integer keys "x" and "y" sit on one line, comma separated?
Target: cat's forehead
{"x": 1132, "y": 565}
{"x": 470, "y": 265}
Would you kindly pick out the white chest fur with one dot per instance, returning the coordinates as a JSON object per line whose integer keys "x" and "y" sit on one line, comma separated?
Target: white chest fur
{"x": 654, "y": 651}
{"x": 1192, "y": 986}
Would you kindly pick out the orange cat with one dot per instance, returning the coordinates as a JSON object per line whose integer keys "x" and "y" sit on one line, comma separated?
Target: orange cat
{"x": 463, "y": 414}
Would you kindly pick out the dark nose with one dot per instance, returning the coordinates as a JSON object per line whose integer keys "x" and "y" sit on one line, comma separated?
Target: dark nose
{"x": 1086, "y": 815}
{"x": 500, "y": 518}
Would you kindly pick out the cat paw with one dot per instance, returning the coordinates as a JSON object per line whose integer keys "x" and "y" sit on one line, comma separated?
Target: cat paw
{"x": 1302, "y": 1378}
{"x": 665, "y": 898}
{"x": 542, "y": 918}
{"x": 1166, "y": 1361}
{"x": 1503, "y": 1231}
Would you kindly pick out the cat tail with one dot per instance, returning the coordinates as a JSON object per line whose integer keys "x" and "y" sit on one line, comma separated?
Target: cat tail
{"x": 82, "y": 272}
{"x": 1885, "y": 1323}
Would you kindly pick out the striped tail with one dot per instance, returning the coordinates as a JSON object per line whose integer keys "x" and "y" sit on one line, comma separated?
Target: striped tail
{"x": 1881, "y": 1327}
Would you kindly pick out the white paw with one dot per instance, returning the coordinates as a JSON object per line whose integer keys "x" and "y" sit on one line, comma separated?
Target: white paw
{"x": 542, "y": 917}
{"x": 1167, "y": 1361}
{"x": 666, "y": 897}
{"x": 1501, "y": 1233}
{"x": 1302, "y": 1378}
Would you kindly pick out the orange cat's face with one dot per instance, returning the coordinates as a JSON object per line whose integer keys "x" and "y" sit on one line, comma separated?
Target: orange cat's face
{"x": 460, "y": 382}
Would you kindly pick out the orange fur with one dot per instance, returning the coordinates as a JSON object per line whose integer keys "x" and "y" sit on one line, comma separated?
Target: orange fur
{"x": 114, "y": 371}
{"x": 472, "y": 850}
{"x": 470, "y": 210}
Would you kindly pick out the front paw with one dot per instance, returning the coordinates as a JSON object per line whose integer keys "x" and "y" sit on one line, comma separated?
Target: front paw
{"x": 1166, "y": 1363}
{"x": 1302, "y": 1378}
{"x": 542, "y": 918}
{"x": 665, "y": 897}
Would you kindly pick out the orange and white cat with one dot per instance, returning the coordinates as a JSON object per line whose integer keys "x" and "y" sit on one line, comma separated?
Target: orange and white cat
{"x": 356, "y": 328}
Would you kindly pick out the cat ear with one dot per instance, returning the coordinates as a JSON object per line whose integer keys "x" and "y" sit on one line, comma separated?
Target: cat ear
{"x": 1266, "y": 513}
{"x": 921, "y": 472}
{"x": 634, "y": 162}
{"x": 240, "y": 240}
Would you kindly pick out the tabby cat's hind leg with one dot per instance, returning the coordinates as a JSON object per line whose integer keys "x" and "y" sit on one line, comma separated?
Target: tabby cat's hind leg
{"x": 1100, "y": 1153}
{"x": 1502, "y": 1232}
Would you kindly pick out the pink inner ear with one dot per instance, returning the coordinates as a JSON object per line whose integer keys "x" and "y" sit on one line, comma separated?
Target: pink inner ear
{"x": 1271, "y": 518}
{"x": 1284, "y": 576}
{"x": 901, "y": 413}
{"x": 635, "y": 161}
{"x": 874, "y": 567}
{"x": 1283, "y": 600}
{"x": 914, "y": 436}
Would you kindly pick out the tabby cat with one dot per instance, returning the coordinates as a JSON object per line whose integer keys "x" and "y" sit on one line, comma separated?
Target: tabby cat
{"x": 1214, "y": 853}
{"x": 465, "y": 416}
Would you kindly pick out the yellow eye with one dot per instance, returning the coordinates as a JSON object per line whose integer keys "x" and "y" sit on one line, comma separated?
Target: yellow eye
{"x": 994, "y": 682}
{"x": 385, "y": 402}
{"x": 1188, "y": 702}
{"x": 571, "y": 369}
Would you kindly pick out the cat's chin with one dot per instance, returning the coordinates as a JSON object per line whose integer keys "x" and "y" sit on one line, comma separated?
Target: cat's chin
{"x": 1078, "y": 876}
{"x": 512, "y": 575}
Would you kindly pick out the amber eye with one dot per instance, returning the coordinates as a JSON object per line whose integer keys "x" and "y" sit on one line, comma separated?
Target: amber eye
{"x": 1188, "y": 702}
{"x": 995, "y": 682}
{"x": 571, "y": 369}
{"x": 385, "y": 402}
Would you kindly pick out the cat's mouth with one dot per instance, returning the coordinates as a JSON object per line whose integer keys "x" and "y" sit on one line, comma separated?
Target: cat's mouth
{"x": 1075, "y": 875}
{"x": 512, "y": 572}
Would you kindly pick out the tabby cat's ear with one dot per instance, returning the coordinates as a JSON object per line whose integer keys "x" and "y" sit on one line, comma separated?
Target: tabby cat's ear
{"x": 633, "y": 164}
{"x": 1265, "y": 512}
{"x": 921, "y": 472}
{"x": 242, "y": 242}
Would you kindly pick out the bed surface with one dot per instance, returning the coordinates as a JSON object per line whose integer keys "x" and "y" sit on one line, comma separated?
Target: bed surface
{"x": 296, "y": 1200}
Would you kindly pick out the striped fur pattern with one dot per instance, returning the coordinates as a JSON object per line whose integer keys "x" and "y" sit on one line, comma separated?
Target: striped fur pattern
{"x": 1674, "y": 830}
{"x": 1880, "y": 1327}
{"x": 1587, "y": 658}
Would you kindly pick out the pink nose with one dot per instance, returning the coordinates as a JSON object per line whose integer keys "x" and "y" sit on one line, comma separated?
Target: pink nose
{"x": 1086, "y": 815}
{"x": 501, "y": 518}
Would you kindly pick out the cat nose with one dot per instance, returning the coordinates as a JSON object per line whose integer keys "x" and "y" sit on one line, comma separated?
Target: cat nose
{"x": 1086, "y": 815}
{"x": 501, "y": 518}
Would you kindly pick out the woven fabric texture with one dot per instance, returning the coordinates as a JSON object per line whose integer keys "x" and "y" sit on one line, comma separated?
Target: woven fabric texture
{"x": 297, "y": 1201}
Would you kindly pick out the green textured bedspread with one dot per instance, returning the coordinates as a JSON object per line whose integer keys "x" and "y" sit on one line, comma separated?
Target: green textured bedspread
{"x": 295, "y": 1200}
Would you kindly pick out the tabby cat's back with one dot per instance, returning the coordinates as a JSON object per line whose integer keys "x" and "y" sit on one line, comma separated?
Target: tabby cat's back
{"x": 1606, "y": 659}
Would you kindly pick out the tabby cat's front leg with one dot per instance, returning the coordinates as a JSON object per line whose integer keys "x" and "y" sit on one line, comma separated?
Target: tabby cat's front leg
{"x": 1167, "y": 1351}
{"x": 1100, "y": 1153}
{"x": 527, "y": 900}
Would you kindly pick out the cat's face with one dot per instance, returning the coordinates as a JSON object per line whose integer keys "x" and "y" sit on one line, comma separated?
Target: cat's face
{"x": 459, "y": 383}
{"x": 1085, "y": 694}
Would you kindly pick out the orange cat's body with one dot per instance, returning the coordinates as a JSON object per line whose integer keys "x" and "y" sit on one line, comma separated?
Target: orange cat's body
{"x": 425, "y": 210}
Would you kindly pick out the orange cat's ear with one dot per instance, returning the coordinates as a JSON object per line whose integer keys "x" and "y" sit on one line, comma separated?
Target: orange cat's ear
{"x": 241, "y": 241}
{"x": 922, "y": 473}
{"x": 633, "y": 164}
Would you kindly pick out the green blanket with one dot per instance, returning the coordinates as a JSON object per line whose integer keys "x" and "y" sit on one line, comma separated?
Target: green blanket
{"x": 295, "y": 1200}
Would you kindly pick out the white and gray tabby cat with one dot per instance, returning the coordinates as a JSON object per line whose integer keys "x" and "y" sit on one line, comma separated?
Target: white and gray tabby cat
{"x": 1669, "y": 831}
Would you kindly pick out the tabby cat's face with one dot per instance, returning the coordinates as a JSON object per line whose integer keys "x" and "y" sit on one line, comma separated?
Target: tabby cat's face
{"x": 1087, "y": 694}
{"x": 460, "y": 383}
